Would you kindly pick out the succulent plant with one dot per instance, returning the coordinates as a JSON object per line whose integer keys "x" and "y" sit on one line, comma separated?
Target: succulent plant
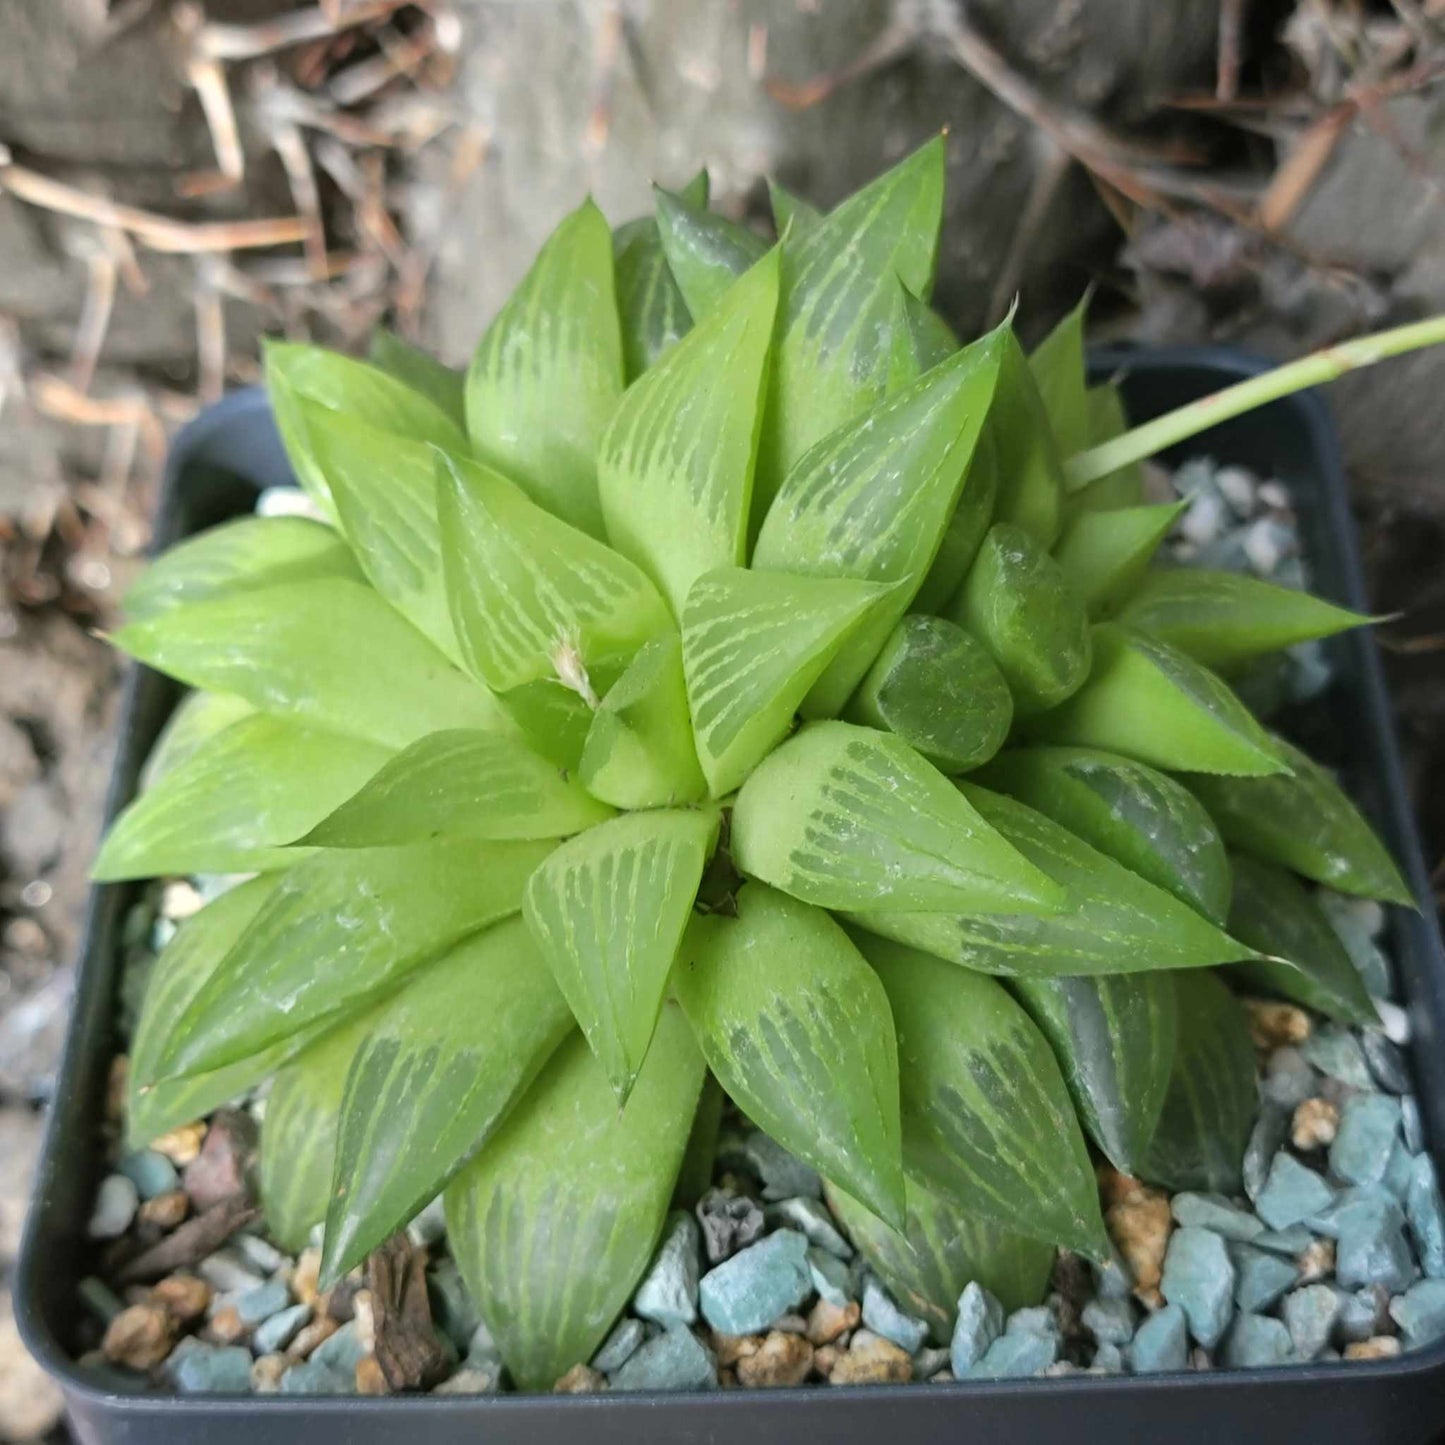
{"x": 511, "y": 744}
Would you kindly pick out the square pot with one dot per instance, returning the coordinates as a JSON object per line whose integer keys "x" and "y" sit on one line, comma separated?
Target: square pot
{"x": 216, "y": 466}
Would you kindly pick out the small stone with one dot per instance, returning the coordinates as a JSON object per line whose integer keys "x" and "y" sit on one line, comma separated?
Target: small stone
{"x": 1108, "y": 1360}
{"x": 1399, "y": 1171}
{"x": 729, "y": 1349}
{"x": 227, "y": 1272}
{"x": 429, "y": 1227}
{"x": 1291, "y": 1193}
{"x": 883, "y": 1317}
{"x": 311, "y": 1336}
{"x": 260, "y": 1304}
{"x": 782, "y": 1175}
{"x": 1161, "y": 1342}
{"x": 1260, "y": 1278}
{"x": 1257, "y": 1342}
{"x": 827, "y": 1320}
{"x": 1200, "y": 1359}
{"x": 1364, "y": 1313}
{"x": 810, "y": 1218}
{"x": 1272, "y": 1024}
{"x": 626, "y": 1336}
{"x": 341, "y": 1351}
{"x": 1386, "y": 1062}
{"x": 1199, "y": 1278}
{"x": 871, "y": 1360}
{"x": 220, "y": 1171}
{"x": 1420, "y": 1313}
{"x": 181, "y": 1145}
{"x": 1369, "y": 1124}
{"x": 674, "y": 1360}
{"x": 266, "y": 1372}
{"x": 1112, "y": 1279}
{"x": 1289, "y": 1078}
{"x": 580, "y": 1380}
{"x": 1334, "y": 1050}
{"x": 1110, "y": 1321}
{"x": 1394, "y": 1021}
{"x": 1033, "y": 1320}
{"x": 1214, "y": 1212}
{"x": 482, "y": 1347}
{"x": 1381, "y": 1347}
{"x": 1016, "y": 1354}
{"x": 1371, "y": 1246}
{"x": 166, "y": 1211}
{"x": 1426, "y": 1214}
{"x": 824, "y": 1360}
{"x": 780, "y": 1361}
{"x": 472, "y": 1380}
{"x": 765, "y": 1280}
{"x": 453, "y": 1309}
{"x": 1412, "y": 1126}
{"x": 1265, "y": 1141}
{"x": 151, "y": 1172}
{"x": 139, "y": 1337}
{"x": 928, "y": 1362}
{"x": 226, "y": 1326}
{"x": 306, "y": 1276}
{"x": 1206, "y": 517}
{"x": 1314, "y": 1125}
{"x": 116, "y": 1202}
{"x": 1267, "y": 543}
{"x": 1316, "y": 1260}
{"x": 184, "y": 1295}
{"x": 1139, "y": 1223}
{"x": 831, "y": 1276}
{"x": 1238, "y": 488}
{"x": 215, "y": 1370}
{"x": 1292, "y": 1241}
{"x": 729, "y": 1222}
{"x": 1358, "y": 922}
{"x": 1309, "y": 1315}
{"x": 668, "y": 1293}
{"x": 260, "y": 1253}
{"x": 313, "y": 1378}
{"x": 276, "y": 1332}
{"x": 179, "y": 900}
{"x": 370, "y": 1378}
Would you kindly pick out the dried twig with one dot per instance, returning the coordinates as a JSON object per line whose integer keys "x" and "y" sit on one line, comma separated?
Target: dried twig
{"x": 210, "y": 334}
{"x": 95, "y": 313}
{"x": 192, "y": 1242}
{"x": 1231, "y": 29}
{"x": 1295, "y": 178}
{"x": 250, "y": 42}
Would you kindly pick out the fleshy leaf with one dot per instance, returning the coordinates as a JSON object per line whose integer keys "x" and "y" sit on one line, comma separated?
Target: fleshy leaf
{"x": 527, "y": 589}
{"x": 235, "y": 803}
{"x": 753, "y": 643}
{"x": 1212, "y": 1098}
{"x": 1019, "y": 603}
{"x": 797, "y": 1029}
{"x": 705, "y": 252}
{"x": 194, "y": 721}
{"x": 557, "y": 1217}
{"x": 1304, "y": 958}
{"x": 987, "y": 1120}
{"x": 330, "y": 653}
{"x": 1114, "y": 1040}
{"x": 1111, "y": 921}
{"x": 1304, "y": 820}
{"x": 1030, "y": 476}
{"x": 872, "y": 500}
{"x": 1124, "y": 488}
{"x": 443, "y": 385}
{"x": 639, "y": 751}
{"x": 940, "y": 1250}
{"x": 237, "y": 556}
{"x": 552, "y": 719}
{"x": 340, "y": 931}
{"x": 1222, "y": 619}
{"x": 922, "y": 339}
{"x": 848, "y": 817}
{"x": 459, "y": 784}
{"x": 1106, "y": 554}
{"x": 791, "y": 212}
{"x": 1057, "y": 363}
{"x": 965, "y": 530}
{"x": 446, "y": 1059}
{"x": 649, "y": 303}
{"x": 940, "y": 691}
{"x": 607, "y": 911}
{"x": 675, "y": 471}
{"x": 1139, "y": 817}
{"x": 1149, "y": 701}
{"x": 548, "y": 372}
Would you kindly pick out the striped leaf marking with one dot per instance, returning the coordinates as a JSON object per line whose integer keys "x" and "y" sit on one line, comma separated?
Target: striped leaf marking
{"x": 548, "y": 372}
{"x": 922, "y": 339}
{"x": 1105, "y": 555}
{"x": 842, "y": 816}
{"x": 987, "y": 1120}
{"x": 797, "y": 1029}
{"x": 443, "y": 385}
{"x": 448, "y": 1057}
{"x": 607, "y": 911}
{"x": 705, "y": 252}
{"x": 965, "y": 530}
{"x": 195, "y": 720}
{"x": 557, "y": 1216}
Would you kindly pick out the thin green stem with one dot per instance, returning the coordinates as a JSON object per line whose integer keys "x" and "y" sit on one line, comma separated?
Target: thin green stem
{"x": 1187, "y": 421}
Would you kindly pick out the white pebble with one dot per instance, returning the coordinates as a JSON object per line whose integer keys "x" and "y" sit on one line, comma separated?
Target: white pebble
{"x": 1238, "y": 487}
{"x": 287, "y": 502}
{"x": 1394, "y": 1020}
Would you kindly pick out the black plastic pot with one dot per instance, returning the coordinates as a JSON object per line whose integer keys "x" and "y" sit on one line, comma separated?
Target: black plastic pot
{"x": 216, "y": 466}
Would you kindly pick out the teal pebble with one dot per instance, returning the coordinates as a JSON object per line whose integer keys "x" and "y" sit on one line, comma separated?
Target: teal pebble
{"x": 1015, "y": 1355}
{"x": 831, "y": 1277}
{"x": 213, "y": 1370}
{"x": 1369, "y": 1124}
{"x": 342, "y": 1352}
{"x": 1261, "y": 1278}
{"x": 1292, "y": 1241}
{"x": 453, "y": 1309}
{"x": 1213, "y": 1211}
{"x": 1161, "y": 1342}
{"x": 260, "y": 1304}
{"x": 1371, "y": 1247}
{"x": 1334, "y": 1050}
{"x": 1420, "y": 1312}
{"x": 811, "y": 1219}
{"x": 151, "y": 1173}
{"x": 1257, "y": 1342}
{"x": 1108, "y": 1360}
{"x": 782, "y": 1176}
{"x": 1426, "y": 1213}
{"x": 1199, "y": 1277}
{"x": 1309, "y": 1315}
{"x": 1291, "y": 1193}
{"x": 277, "y": 1332}
{"x": 619, "y": 1346}
{"x": 979, "y": 1323}
{"x": 883, "y": 1317}
{"x": 673, "y": 1360}
{"x": 668, "y": 1292}
{"x": 1034, "y": 1320}
{"x": 1110, "y": 1321}
{"x": 311, "y": 1377}
{"x": 758, "y": 1284}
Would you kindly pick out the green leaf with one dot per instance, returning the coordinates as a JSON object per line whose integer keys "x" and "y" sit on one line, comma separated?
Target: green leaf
{"x": 548, "y": 372}
{"x": 1304, "y": 820}
{"x": 607, "y": 911}
{"x": 839, "y": 298}
{"x": 873, "y": 499}
{"x": 965, "y": 530}
{"x": 1304, "y": 958}
{"x": 639, "y": 751}
{"x": 1114, "y": 1040}
{"x": 1213, "y": 1095}
{"x": 1030, "y": 477}
{"x": 459, "y": 784}
{"x": 1057, "y": 364}
{"x": 987, "y": 1121}
{"x": 753, "y": 643}
{"x": 1111, "y": 921}
{"x": 797, "y": 1029}
{"x": 235, "y": 803}
{"x": 195, "y": 720}
{"x": 941, "y": 1250}
{"x": 846, "y": 817}
{"x": 1106, "y": 554}
{"x": 298, "y": 1134}
{"x": 295, "y": 371}
{"x": 239, "y": 555}
{"x": 330, "y": 653}
{"x": 705, "y": 252}
{"x": 1124, "y": 488}
{"x": 554, "y": 1221}
{"x": 1222, "y": 619}
{"x": 675, "y": 472}
{"x": 1149, "y": 701}
{"x": 791, "y": 214}
{"x": 694, "y": 1178}
{"x": 446, "y": 1060}
{"x": 340, "y": 931}
{"x": 1137, "y": 816}
{"x": 1019, "y": 603}
{"x": 552, "y": 719}
{"x": 921, "y": 339}
{"x": 649, "y": 303}
{"x": 444, "y": 386}
{"x": 528, "y": 590}
{"x": 940, "y": 691}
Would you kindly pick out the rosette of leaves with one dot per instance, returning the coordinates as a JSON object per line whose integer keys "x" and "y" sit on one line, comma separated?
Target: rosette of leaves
{"x": 720, "y": 678}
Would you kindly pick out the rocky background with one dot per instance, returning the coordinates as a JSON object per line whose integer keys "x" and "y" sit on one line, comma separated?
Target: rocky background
{"x": 178, "y": 178}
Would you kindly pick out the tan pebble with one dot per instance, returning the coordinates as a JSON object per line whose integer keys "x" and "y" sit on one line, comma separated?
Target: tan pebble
{"x": 828, "y": 1321}
{"x": 167, "y": 1210}
{"x": 1315, "y": 1124}
{"x": 370, "y": 1380}
{"x": 181, "y": 1145}
{"x": 140, "y": 1336}
{"x": 363, "y": 1314}
{"x": 943, "y": 1377}
{"x": 226, "y": 1326}
{"x": 1272, "y": 1024}
{"x": 305, "y": 1275}
{"x": 729, "y": 1349}
{"x": 1316, "y": 1261}
{"x": 310, "y": 1336}
{"x": 185, "y": 1296}
{"x": 790, "y": 1325}
{"x": 1381, "y": 1347}
{"x": 1151, "y": 1299}
{"x": 266, "y": 1373}
{"x": 580, "y": 1380}
{"x": 872, "y": 1361}
{"x": 784, "y": 1358}
{"x": 824, "y": 1358}
{"x": 1139, "y": 1223}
